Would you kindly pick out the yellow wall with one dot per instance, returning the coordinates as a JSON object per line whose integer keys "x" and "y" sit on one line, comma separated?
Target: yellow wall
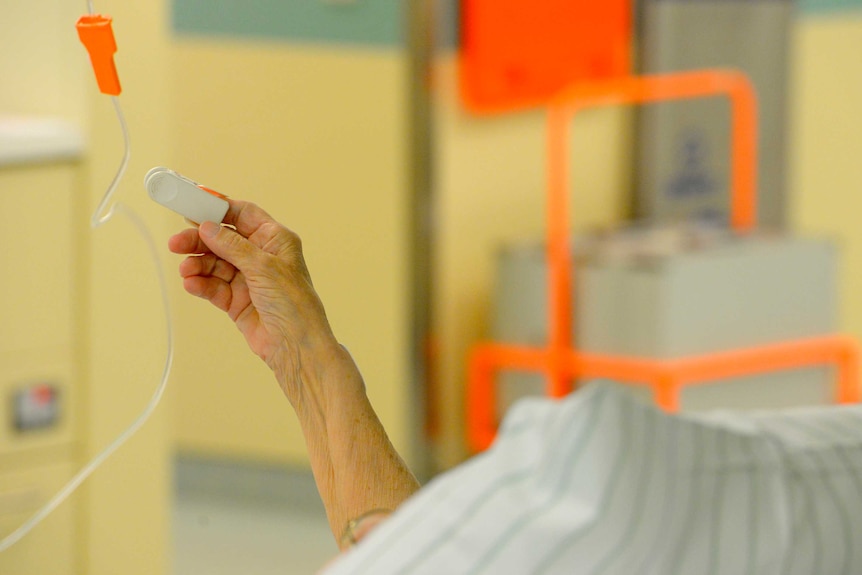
{"x": 318, "y": 137}
{"x": 42, "y": 71}
{"x": 826, "y": 124}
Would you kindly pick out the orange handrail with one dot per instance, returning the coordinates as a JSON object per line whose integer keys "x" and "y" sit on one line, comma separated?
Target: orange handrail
{"x": 636, "y": 90}
{"x": 559, "y": 360}
{"x": 666, "y": 377}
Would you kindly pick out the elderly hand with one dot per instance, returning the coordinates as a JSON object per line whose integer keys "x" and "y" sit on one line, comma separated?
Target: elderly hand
{"x": 257, "y": 274}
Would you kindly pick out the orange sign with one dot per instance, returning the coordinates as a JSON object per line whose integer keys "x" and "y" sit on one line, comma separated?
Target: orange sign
{"x": 517, "y": 54}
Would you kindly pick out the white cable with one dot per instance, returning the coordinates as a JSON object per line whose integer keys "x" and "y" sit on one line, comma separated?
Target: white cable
{"x": 99, "y": 218}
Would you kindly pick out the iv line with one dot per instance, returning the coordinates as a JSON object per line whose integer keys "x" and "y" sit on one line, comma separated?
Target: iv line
{"x": 98, "y": 219}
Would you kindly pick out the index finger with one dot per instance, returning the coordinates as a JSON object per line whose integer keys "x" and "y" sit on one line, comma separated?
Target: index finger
{"x": 246, "y": 217}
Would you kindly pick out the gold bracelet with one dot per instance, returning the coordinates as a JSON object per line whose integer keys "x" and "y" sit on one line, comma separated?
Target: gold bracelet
{"x": 349, "y": 536}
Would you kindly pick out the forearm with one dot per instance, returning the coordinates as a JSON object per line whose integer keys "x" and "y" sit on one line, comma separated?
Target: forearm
{"x": 256, "y": 273}
{"x": 354, "y": 464}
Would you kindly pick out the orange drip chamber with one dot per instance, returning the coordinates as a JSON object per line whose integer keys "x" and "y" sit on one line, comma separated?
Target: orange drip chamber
{"x": 97, "y": 35}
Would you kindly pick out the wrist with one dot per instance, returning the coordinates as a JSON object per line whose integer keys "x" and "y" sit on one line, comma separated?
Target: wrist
{"x": 357, "y": 528}
{"x": 323, "y": 377}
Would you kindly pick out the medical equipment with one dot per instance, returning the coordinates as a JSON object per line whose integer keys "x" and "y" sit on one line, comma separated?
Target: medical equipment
{"x": 96, "y": 34}
{"x": 682, "y": 148}
{"x": 559, "y": 359}
{"x": 185, "y": 197}
{"x": 680, "y": 292}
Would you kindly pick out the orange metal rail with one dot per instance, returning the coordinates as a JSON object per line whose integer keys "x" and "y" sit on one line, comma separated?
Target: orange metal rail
{"x": 561, "y": 363}
{"x": 666, "y": 378}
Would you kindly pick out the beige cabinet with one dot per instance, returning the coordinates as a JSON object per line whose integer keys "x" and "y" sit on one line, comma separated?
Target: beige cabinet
{"x": 39, "y": 385}
{"x": 51, "y": 547}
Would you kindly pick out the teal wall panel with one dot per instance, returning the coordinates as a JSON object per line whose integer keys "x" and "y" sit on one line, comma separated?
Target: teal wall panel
{"x": 827, "y": 6}
{"x": 366, "y": 22}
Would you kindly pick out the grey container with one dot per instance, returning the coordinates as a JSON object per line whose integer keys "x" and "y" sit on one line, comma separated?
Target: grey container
{"x": 683, "y": 148}
{"x": 682, "y": 301}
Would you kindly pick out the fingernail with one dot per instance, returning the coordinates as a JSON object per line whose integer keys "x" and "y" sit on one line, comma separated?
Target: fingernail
{"x": 209, "y": 229}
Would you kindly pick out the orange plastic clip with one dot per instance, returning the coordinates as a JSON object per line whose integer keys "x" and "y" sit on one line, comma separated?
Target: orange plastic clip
{"x": 212, "y": 192}
{"x": 96, "y": 34}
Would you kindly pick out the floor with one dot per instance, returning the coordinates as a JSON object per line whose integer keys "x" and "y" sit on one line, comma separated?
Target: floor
{"x": 250, "y": 520}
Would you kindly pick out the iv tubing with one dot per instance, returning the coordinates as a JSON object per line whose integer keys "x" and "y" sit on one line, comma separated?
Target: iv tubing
{"x": 99, "y": 218}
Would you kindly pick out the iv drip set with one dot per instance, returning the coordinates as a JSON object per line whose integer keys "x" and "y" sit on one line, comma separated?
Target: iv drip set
{"x": 166, "y": 187}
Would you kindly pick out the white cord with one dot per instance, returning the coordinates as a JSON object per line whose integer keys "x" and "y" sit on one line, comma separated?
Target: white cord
{"x": 99, "y": 218}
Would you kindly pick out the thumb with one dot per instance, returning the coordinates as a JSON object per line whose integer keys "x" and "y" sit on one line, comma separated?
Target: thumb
{"x": 228, "y": 245}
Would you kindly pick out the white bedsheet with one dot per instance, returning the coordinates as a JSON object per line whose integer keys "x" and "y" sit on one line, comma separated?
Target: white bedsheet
{"x": 601, "y": 484}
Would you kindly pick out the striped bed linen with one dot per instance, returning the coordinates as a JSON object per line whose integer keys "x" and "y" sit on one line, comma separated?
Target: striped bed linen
{"x": 600, "y": 483}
